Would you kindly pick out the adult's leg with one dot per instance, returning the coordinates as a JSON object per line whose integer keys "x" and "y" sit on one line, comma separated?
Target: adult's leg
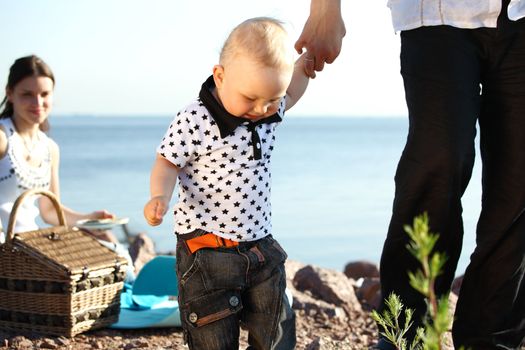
{"x": 490, "y": 312}
{"x": 441, "y": 76}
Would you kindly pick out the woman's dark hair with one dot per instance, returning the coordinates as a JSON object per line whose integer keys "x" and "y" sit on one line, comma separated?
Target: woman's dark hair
{"x": 24, "y": 67}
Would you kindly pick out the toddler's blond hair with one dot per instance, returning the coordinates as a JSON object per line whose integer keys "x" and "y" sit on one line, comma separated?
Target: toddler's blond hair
{"x": 263, "y": 38}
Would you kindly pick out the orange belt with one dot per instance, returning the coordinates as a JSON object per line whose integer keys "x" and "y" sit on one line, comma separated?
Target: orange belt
{"x": 209, "y": 240}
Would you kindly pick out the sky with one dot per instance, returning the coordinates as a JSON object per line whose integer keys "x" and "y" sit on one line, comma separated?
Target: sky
{"x": 138, "y": 57}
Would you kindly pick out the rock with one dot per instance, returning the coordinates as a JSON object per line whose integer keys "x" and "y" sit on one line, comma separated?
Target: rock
{"x": 369, "y": 292}
{"x": 97, "y": 344}
{"x": 314, "y": 345}
{"x": 319, "y": 308}
{"x": 456, "y": 284}
{"x": 47, "y": 343}
{"x": 291, "y": 267}
{"x": 63, "y": 341}
{"x": 361, "y": 269}
{"x": 142, "y": 250}
{"x": 328, "y": 285}
{"x": 21, "y": 342}
{"x": 452, "y": 301}
{"x": 140, "y": 343}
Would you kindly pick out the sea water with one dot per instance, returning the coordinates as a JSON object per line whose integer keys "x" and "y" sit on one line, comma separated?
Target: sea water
{"x": 332, "y": 181}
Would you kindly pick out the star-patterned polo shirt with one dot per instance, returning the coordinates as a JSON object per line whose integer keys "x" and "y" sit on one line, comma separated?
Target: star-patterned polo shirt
{"x": 224, "y": 163}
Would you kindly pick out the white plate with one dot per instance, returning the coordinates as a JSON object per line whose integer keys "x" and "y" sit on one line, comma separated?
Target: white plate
{"x": 101, "y": 224}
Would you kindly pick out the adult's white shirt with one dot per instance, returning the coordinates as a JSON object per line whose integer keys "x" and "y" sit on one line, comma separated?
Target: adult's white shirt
{"x": 410, "y": 14}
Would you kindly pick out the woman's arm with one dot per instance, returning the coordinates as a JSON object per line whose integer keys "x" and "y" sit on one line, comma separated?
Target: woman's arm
{"x": 3, "y": 142}
{"x": 47, "y": 210}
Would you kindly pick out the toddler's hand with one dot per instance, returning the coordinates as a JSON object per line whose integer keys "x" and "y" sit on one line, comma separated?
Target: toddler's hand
{"x": 155, "y": 210}
{"x": 307, "y": 63}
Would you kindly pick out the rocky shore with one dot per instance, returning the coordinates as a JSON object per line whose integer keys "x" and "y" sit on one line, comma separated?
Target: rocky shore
{"x": 332, "y": 309}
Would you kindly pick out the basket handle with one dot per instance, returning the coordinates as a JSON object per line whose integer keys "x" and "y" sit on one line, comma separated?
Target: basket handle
{"x": 48, "y": 194}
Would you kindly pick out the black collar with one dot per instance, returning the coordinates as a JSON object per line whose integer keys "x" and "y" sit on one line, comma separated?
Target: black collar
{"x": 227, "y": 122}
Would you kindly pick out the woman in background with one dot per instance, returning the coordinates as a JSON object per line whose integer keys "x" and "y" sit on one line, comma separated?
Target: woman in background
{"x": 29, "y": 159}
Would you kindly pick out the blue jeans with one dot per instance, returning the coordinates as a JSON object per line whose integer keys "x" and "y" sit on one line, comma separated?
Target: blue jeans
{"x": 223, "y": 288}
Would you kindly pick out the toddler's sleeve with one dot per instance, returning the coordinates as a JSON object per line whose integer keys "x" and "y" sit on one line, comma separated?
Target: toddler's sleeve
{"x": 177, "y": 145}
{"x": 282, "y": 107}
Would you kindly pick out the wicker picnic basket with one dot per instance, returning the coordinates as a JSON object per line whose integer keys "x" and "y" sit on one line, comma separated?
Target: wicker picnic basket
{"x": 57, "y": 280}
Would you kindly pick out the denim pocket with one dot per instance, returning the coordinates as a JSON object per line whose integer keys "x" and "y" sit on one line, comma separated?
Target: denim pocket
{"x": 212, "y": 307}
{"x": 280, "y": 249}
{"x": 221, "y": 268}
{"x": 274, "y": 258}
{"x": 186, "y": 263}
{"x": 273, "y": 251}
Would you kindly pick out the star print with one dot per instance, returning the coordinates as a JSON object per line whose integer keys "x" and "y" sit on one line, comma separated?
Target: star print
{"x": 213, "y": 182}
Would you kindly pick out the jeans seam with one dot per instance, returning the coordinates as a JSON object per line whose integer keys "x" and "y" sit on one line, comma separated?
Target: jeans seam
{"x": 277, "y": 314}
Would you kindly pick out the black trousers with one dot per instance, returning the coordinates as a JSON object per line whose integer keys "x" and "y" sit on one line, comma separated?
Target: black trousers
{"x": 454, "y": 78}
